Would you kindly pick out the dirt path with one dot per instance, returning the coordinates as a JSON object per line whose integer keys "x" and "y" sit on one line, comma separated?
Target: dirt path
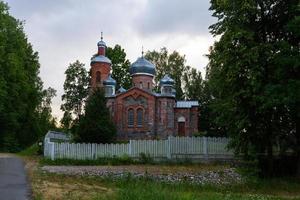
{"x": 13, "y": 180}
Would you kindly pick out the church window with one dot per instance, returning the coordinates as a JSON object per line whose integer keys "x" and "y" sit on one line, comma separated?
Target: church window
{"x": 130, "y": 117}
{"x": 141, "y": 85}
{"x": 148, "y": 85}
{"x": 140, "y": 117}
{"x": 98, "y": 77}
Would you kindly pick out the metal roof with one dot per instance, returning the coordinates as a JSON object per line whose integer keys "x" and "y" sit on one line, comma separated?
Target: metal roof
{"x": 142, "y": 66}
{"x": 101, "y": 59}
{"x": 186, "y": 104}
{"x": 121, "y": 89}
{"x": 101, "y": 44}
{"x": 57, "y": 135}
{"x": 110, "y": 81}
{"x": 166, "y": 80}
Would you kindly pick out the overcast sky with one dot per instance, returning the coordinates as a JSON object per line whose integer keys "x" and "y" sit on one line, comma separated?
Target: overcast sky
{"x": 63, "y": 31}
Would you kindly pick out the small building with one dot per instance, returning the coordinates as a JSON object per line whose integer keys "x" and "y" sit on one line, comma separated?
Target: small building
{"x": 139, "y": 112}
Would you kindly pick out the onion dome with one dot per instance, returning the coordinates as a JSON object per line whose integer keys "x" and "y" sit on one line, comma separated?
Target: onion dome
{"x": 121, "y": 90}
{"x": 142, "y": 66}
{"x": 166, "y": 80}
{"x": 110, "y": 81}
{"x": 100, "y": 59}
{"x": 101, "y": 43}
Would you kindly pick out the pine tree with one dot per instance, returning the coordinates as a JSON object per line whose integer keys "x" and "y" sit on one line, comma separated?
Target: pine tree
{"x": 95, "y": 125}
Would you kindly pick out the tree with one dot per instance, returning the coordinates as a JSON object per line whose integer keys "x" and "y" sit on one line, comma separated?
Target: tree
{"x": 253, "y": 74}
{"x": 120, "y": 66}
{"x": 95, "y": 125}
{"x": 76, "y": 89}
{"x": 172, "y": 64}
{"x": 195, "y": 88}
{"x": 20, "y": 85}
{"x": 44, "y": 116}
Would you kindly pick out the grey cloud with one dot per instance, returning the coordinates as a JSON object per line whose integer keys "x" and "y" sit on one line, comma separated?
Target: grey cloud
{"x": 175, "y": 16}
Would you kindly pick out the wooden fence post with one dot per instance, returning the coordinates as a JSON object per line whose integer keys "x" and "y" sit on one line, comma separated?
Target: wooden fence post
{"x": 130, "y": 148}
{"x": 205, "y": 150}
{"x": 52, "y": 150}
{"x": 169, "y": 153}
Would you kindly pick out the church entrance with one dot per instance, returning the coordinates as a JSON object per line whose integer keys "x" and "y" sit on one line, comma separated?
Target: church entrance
{"x": 181, "y": 128}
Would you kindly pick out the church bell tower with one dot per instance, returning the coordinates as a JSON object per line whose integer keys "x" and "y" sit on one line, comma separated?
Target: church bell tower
{"x": 100, "y": 66}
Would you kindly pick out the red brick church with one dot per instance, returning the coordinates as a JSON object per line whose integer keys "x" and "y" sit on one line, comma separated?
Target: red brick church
{"x": 139, "y": 112}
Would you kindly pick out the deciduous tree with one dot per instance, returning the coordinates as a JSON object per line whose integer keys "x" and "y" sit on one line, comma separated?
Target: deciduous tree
{"x": 75, "y": 88}
{"x": 253, "y": 73}
{"x": 172, "y": 64}
{"x": 120, "y": 66}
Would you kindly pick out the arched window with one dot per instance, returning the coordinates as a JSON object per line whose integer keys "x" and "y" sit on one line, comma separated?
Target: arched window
{"x": 98, "y": 77}
{"x": 140, "y": 117}
{"x": 141, "y": 84}
{"x": 130, "y": 119}
{"x": 148, "y": 85}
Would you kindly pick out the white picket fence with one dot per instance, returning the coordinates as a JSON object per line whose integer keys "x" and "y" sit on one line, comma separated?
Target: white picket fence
{"x": 173, "y": 147}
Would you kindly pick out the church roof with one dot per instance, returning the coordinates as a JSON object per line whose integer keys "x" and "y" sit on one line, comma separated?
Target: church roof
{"x": 166, "y": 80}
{"x": 110, "y": 81}
{"x": 101, "y": 59}
{"x": 186, "y": 104}
{"x": 121, "y": 89}
{"x": 142, "y": 66}
{"x": 101, "y": 43}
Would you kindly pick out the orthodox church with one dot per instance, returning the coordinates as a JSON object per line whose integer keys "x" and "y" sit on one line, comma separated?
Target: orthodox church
{"x": 139, "y": 112}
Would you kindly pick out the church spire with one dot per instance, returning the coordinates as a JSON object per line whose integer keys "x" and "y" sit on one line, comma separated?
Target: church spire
{"x": 101, "y": 46}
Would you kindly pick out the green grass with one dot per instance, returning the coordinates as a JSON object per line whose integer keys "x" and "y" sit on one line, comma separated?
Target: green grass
{"x": 129, "y": 188}
{"x": 33, "y": 150}
{"x": 53, "y": 186}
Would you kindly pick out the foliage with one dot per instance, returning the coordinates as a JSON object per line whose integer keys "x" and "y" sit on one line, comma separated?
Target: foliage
{"x": 172, "y": 64}
{"x": 21, "y": 94}
{"x": 45, "y": 120}
{"x": 253, "y": 74}
{"x": 120, "y": 66}
{"x": 96, "y": 126}
{"x": 129, "y": 187}
{"x": 33, "y": 150}
{"x": 75, "y": 88}
{"x": 145, "y": 158}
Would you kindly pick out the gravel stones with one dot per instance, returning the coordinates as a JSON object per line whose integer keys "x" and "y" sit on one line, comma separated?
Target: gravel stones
{"x": 225, "y": 176}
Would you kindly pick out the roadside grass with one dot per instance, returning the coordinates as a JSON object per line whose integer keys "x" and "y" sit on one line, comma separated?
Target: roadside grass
{"x": 33, "y": 150}
{"x": 54, "y": 186}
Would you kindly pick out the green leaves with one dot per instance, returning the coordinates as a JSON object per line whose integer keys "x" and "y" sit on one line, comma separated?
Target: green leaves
{"x": 120, "y": 66}
{"x": 95, "y": 125}
{"x": 76, "y": 88}
{"x": 20, "y": 86}
{"x": 253, "y": 69}
{"x": 172, "y": 64}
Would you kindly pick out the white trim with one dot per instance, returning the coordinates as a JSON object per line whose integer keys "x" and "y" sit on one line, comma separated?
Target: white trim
{"x": 139, "y": 73}
{"x": 181, "y": 119}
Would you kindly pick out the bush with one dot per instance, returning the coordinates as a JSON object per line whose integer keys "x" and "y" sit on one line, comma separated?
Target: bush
{"x": 145, "y": 158}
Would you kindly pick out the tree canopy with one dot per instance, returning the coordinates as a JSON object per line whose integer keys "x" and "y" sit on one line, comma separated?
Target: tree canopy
{"x": 120, "y": 66}
{"x": 172, "y": 64}
{"x": 21, "y": 93}
{"x": 96, "y": 126}
{"x": 253, "y": 73}
{"x": 75, "y": 92}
